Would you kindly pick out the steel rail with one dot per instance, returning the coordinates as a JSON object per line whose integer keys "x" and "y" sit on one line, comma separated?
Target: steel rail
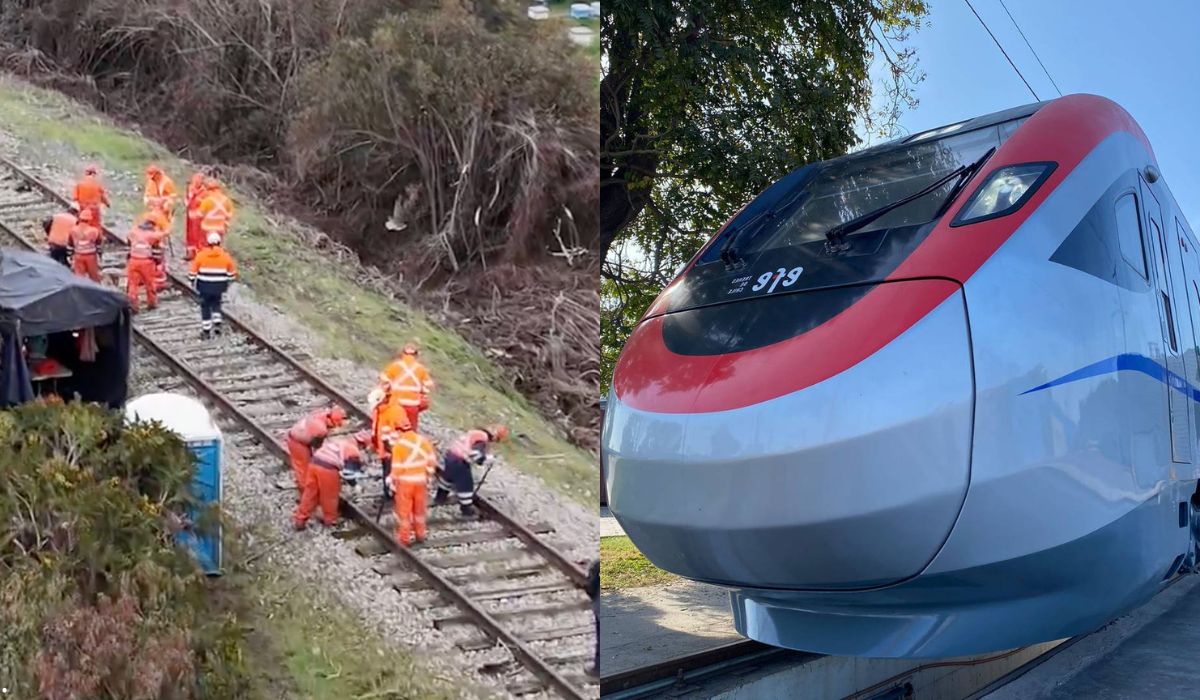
{"x": 484, "y": 620}
{"x": 560, "y": 561}
{"x": 646, "y": 680}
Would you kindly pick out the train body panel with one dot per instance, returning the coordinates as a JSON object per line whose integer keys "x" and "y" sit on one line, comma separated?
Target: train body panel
{"x": 796, "y": 492}
{"x": 986, "y": 439}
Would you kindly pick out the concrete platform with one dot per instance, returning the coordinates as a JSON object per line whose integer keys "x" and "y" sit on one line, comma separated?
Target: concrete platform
{"x": 641, "y": 626}
{"x": 609, "y": 527}
{"x": 1154, "y": 652}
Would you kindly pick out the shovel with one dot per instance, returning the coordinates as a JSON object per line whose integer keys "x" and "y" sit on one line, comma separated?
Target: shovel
{"x": 482, "y": 479}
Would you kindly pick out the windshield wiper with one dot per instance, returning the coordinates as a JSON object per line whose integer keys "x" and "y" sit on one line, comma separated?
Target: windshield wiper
{"x": 835, "y": 238}
{"x": 729, "y": 254}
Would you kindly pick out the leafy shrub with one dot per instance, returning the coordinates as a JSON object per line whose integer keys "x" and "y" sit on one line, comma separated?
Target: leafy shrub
{"x": 96, "y": 600}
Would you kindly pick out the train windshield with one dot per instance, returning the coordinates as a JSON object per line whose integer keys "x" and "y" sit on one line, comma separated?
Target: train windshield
{"x": 785, "y": 227}
{"x": 847, "y": 188}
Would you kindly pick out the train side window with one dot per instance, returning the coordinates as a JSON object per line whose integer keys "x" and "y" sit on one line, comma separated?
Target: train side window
{"x": 1129, "y": 233}
{"x": 1166, "y": 302}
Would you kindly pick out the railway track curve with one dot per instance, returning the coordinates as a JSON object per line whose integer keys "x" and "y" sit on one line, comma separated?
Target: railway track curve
{"x": 506, "y": 580}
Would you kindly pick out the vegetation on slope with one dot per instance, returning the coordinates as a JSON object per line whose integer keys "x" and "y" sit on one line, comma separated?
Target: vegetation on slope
{"x": 302, "y": 277}
{"x": 452, "y": 144}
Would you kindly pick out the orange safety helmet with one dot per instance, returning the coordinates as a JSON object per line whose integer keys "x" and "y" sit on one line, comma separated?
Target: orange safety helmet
{"x": 153, "y": 169}
{"x": 90, "y": 169}
{"x": 87, "y": 215}
{"x": 337, "y": 415}
{"x": 498, "y": 432}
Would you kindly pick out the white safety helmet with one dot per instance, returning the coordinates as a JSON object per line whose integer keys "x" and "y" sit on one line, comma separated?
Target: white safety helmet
{"x": 375, "y": 397}
{"x": 214, "y": 238}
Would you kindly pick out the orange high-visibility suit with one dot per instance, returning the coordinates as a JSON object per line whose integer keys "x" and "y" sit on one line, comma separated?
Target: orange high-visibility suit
{"x": 141, "y": 269}
{"x": 300, "y": 438}
{"x": 407, "y": 383}
{"x": 85, "y": 247}
{"x": 159, "y": 220}
{"x": 391, "y": 422}
{"x": 216, "y": 211}
{"x": 90, "y": 194}
{"x": 160, "y": 194}
{"x": 323, "y": 484}
{"x": 193, "y": 234}
{"x": 413, "y": 463}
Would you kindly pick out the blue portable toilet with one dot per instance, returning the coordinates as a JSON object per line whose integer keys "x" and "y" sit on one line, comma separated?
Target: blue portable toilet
{"x": 190, "y": 420}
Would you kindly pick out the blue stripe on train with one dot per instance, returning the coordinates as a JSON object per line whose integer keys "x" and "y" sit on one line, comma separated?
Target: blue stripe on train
{"x": 1127, "y": 362}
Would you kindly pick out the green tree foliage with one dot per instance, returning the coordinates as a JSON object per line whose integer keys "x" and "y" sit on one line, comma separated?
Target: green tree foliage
{"x": 704, "y": 104}
{"x": 96, "y": 600}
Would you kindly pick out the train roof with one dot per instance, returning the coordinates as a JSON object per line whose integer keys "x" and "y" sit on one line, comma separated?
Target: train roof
{"x": 986, "y": 120}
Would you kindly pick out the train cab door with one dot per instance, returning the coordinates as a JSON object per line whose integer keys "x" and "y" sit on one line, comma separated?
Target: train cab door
{"x": 1168, "y": 279}
{"x": 1191, "y": 289}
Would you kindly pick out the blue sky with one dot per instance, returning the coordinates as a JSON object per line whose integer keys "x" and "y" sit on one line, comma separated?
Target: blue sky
{"x": 1144, "y": 55}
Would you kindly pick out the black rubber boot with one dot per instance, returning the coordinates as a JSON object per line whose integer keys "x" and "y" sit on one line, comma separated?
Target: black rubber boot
{"x": 468, "y": 513}
{"x": 205, "y": 334}
{"x": 441, "y": 498}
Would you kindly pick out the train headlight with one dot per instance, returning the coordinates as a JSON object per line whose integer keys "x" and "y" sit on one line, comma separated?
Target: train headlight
{"x": 1004, "y": 191}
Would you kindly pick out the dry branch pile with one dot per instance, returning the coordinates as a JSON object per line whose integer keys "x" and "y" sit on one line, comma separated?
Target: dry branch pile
{"x": 449, "y": 143}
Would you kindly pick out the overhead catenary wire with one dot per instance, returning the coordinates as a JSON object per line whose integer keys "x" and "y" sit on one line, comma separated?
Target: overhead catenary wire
{"x": 1001, "y": 47}
{"x": 1031, "y": 49}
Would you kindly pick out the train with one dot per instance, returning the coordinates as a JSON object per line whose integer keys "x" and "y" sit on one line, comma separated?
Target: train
{"x": 933, "y": 398}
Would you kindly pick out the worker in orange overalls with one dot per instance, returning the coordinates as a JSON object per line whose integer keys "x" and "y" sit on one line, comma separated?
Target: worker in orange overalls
{"x": 84, "y": 246}
{"x": 162, "y": 223}
{"x": 413, "y": 464}
{"x": 323, "y": 483}
{"x": 140, "y": 271}
{"x": 389, "y": 423}
{"x": 211, "y": 273}
{"x": 470, "y": 448}
{"x": 160, "y": 193}
{"x": 307, "y": 435}
{"x": 91, "y": 194}
{"x": 216, "y": 211}
{"x": 58, "y": 235}
{"x": 406, "y": 382}
{"x": 193, "y": 235}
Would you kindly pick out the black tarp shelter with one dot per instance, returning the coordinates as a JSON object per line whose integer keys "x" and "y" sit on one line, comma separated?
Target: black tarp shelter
{"x": 40, "y": 297}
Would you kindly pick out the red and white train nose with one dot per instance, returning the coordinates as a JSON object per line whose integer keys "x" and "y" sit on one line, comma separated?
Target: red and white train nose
{"x": 853, "y": 482}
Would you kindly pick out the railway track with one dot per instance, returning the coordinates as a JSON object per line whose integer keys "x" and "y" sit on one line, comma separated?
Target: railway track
{"x": 503, "y": 581}
{"x": 702, "y": 673}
